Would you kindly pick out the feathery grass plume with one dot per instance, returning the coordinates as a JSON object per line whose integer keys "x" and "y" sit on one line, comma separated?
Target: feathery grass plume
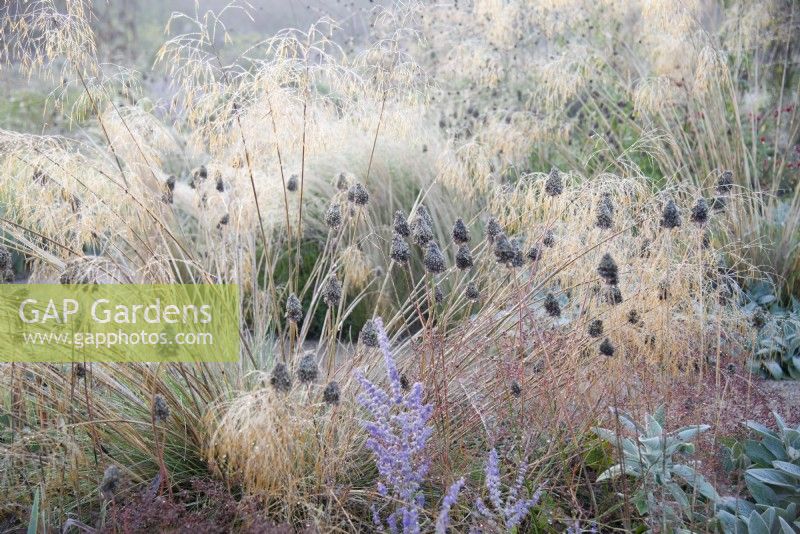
{"x": 534, "y": 253}
{"x": 401, "y": 224}
{"x": 725, "y": 182}
{"x": 503, "y": 249}
{"x": 612, "y": 295}
{"x": 472, "y": 292}
{"x": 438, "y": 294}
{"x": 633, "y": 317}
{"x": 605, "y": 212}
{"x": 332, "y": 291}
{"x": 700, "y": 211}
{"x": 670, "y": 217}
{"x": 421, "y": 231}
{"x": 160, "y": 409}
{"x": 332, "y": 393}
{"x": 399, "y": 251}
{"x": 280, "y": 379}
{"x": 460, "y": 232}
{"x": 333, "y": 216}
{"x": 369, "y": 334}
{"x": 551, "y": 306}
{"x": 493, "y": 229}
{"x": 464, "y": 257}
{"x": 357, "y": 194}
{"x": 608, "y": 270}
{"x": 292, "y": 183}
{"x": 307, "y": 370}
{"x": 342, "y": 183}
{"x": 110, "y": 484}
{"x": 596, "y": 328}
{"x": 606, "y": 348}
{"x": 434, "y": 259}
{"x": 554, "y": 185}
{"x": 294, "y": 309}
{"x": 516, "y": 389}
{"x": 549, "y": 239}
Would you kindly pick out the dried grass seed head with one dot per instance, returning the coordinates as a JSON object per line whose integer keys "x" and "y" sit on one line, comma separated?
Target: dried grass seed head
{"x": 292, "y": 183}
{"x": 332, "y": 291}
{"x": 493, "y": 229}
{"x": 280, "y": 378}
{"x": 333, "y": 217}
{"x": 606, "y": 348}
{"x": 400, "y": 224}
{"x": 332, "y": 393}
{"x": 700, "y": 211}
{"x": 307, "y": 370}
{"x": 551, "y": 306}
{"x": 369, "y": 334}
{"x": 608, "y": 270}
{"x": 110, "y": 484}
{"x": 342, "y": 182}
{"x": 160, "y": 409}
{"x": 357, "y": 194}
{"x": 460, "y": 232}
{"x": 596, "y": 328}
{"x": 534, "y": 253}
{"x": 421, "y": 231}
{"x": 503, "y": 249}
{"x": 399, "y": 252}
{"x": 438, "y": 294}
{"x": 725, "y": 182}
{"x": 670, "y": 216}
{"x": 464, "y": 257}
{"x": 549, "y": 239}
{"x": 434, "y": 259}
{"x": 516, "y": 389}
{"x": 554, "y": 185}
{"x": 605, "y": 212}
{"x": 472, "y": 292}
{"x": 294, "y": 309}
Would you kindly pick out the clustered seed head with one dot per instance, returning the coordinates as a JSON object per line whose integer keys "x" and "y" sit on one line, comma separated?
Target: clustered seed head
{"x": 472, "y": 292}
{"x": 633, "y": 317}
{"x": 358, "y": 194}
{"x": 549, "y": 239}
{"x": 341, "y": 182}
{"x": 519, "y": 259}
{"x": 333, "y": 217}
{"x": 369, "y": 334}
{"x": 280, "y": 379}
{"x": 719, "y": 203}
{"x": 700, "y": 211}
{"x": 464, "y": 257}
{"x": 332, "y": 393}
{"x": 110, "y": 483}
{"x": 405, "y": 385}
{"x": 551, "y": 306}
{"x": 503, "y": 249}
{"x": 400, "y": 224}
{"x": 307, "y": 369}
{"x": 596, "y": 328}
{"x": 438, "y": 294}
{"x": 80, "y": 371}
{"x": 160, "y": 409}
{"x": 608, "y": 270}
{"x": 725, "y": 182}
{"x": 6, "y": 265}
{"x": 516, "y": 389}
{"x": 605, "y": 212}
{"x": 670, "y": 217}
{"x": 534, "y": 253}
{"x": 554, "y": 186}
{"x": 493, "y": 229}
{"x": 399, "y": 251}
{"x": 171, "y": 180}
{"x": 613, "y": 295}
{"x": 423, "y": 212}
{"x": 332, "y": 291}
{"x": 220, "y": 184}
{"x": 460, "y": 232}
{"x": 606, "y": 348}
{"x": 706, "y": 242}
{"x": 434, "y": 260}
{"x": 294, "y": 309}
{"x": 225, "y": 219}
{"x": 291, "y": 184}
{"x": 421, "y": 230}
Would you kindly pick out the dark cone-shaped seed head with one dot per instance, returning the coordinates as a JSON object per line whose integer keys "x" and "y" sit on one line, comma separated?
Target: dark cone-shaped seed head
{"x": 160, "y": 409}
{"x": 171, "y": 182}
{"x": 719, "y": 203}
{"x": 332, "y": 393}
{"x": 332, "y": 291}
{"x": 503, "y": 249}
{"x": 633, "y": 317}
{"x": 307, "y": 369}
{"x": 613, "y": 295}
{"x": 608, "y": 270}
{"x": 725, "y": 182}
{"x": 280, "y": 379}
{"x": 333, "y": 217}
{"x": 292, "y": 182}
{"x": 357, "y": 194}
{"x": 438, "y": 294}
{"x": 493, "y": 229}
{"x": 224, "y": 220}
{"x": 80, "y": 371}
{"x": 464, "y": 257}
{"x": 401, "y": 224}
{"x": 422, "y": 211}
{"x": 405, "y": 385}
{"x": 606, "y": 348}
{"x": 369, "y": 334}
{"x": 460, "y": 232}
{"x": 605, "y": 212}
{"x": 549, "y": 239}
{"x": 700, "y": 211}
{"x": 220, "y": 184}
{"x": 434, "y": 259}
{"x": 519, "y": 259}
{"x": 516, "y": 389}
{"x": 534, "y": 253}
{"x": 554, "y": 185}
{"x": 110, "y": 484}
{"x": 472, "y": 292}
{"x": 759, "y": 320}
{"x": 294, "y": 309}
{"x": 421, "y": 231}
{"x": 341, "y": 182}
{"x": 596, "y": 328}
{"x": 551, "y": 306}
{"x": 399, "y": 251}
{"x": 670, "y": 217}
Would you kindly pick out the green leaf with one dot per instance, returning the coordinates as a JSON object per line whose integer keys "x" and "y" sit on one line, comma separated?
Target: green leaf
{"x": 761, "y": 429}
{"x": 772, "y": 477}
{"x": 785, "y": 467}
{"x": 33, "y": 522}
{"x": 653, "y": 428}
{"x": 689, "y": 432}
{"x": 756, "y": 525}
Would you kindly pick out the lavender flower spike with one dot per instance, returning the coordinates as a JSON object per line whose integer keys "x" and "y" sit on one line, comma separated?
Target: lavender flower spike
{"x": 510, "y": 513}
{"x": 449, "y": 500}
